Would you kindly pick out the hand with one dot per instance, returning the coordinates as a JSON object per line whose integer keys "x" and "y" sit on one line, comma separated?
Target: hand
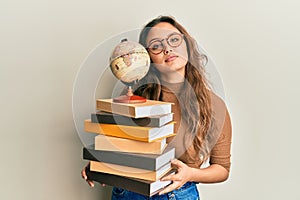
{"x": 84, "y": 176}
{"x": 183, "y": 175}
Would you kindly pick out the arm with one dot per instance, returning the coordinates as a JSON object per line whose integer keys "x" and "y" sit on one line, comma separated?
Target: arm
{"x": 213, "y": 174}
{"x": 219, "y": 168}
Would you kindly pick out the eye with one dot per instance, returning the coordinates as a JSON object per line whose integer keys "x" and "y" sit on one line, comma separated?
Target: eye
{"x": 156, "y": 45}
{"x": 174, "y": 39}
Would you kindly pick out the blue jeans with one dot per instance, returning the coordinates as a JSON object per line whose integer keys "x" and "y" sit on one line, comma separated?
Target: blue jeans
{"x": 187, "y": 192}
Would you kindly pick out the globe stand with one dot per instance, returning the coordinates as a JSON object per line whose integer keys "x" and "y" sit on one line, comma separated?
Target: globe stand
{"x": 129, "y": 62}
{"x": 129, "y": 98}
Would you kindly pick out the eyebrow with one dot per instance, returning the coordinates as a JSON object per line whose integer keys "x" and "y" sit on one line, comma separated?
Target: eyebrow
{"x": 153, "y": 39}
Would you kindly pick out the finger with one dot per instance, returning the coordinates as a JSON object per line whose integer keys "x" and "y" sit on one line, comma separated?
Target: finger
{"x": 166, "y": 178}
{"x": 103, "y": 184}
{"x": 83, "y": 174}
{"x": 91, "y": 183}
{"x": 169, "y": 188}
{"x": 177, "y": 163}
{"x": 172, "y": 177}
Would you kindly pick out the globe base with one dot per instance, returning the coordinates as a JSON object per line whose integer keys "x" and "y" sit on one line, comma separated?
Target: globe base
{"x": 129, "y": 99}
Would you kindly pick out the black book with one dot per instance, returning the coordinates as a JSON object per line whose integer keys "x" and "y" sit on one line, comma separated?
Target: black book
{"x": 143, "y": 187}
{"x": 111, "y": 118}
{"x": 137, "y": 160}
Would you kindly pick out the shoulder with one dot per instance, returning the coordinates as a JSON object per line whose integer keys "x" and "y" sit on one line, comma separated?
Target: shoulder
{"x": 221, "y": 116}
{"x": 218, "y": 104}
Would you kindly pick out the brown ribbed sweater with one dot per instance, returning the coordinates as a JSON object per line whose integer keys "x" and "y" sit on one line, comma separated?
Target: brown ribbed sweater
{"x": 220, "y": 141}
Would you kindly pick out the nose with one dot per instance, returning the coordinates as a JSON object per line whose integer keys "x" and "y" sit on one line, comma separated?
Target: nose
{"x": 167, "y": 48}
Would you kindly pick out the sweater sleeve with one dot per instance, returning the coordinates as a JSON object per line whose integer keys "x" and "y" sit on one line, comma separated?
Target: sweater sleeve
{"x": 220, "y": 153}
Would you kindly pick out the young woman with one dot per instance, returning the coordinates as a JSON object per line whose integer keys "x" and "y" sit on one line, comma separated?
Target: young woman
{"x": 203, "y": 127}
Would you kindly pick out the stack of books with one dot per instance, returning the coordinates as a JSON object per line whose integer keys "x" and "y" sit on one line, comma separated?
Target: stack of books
{"x": 129, "y": 150}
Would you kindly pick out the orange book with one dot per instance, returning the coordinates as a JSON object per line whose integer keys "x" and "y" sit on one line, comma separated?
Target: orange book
{"x": 131, "y": 172}
{"x": 109, "y": 143}
{"x": 140, "y": 133}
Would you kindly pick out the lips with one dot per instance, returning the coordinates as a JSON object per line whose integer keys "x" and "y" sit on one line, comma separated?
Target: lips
{"x": 171, "y": 58}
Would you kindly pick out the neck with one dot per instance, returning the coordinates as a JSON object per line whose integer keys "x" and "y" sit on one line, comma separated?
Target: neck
{"x": 174, "y": 77}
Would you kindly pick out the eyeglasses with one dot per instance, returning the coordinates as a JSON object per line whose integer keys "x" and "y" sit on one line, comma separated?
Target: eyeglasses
{"x": 173, "y": 40}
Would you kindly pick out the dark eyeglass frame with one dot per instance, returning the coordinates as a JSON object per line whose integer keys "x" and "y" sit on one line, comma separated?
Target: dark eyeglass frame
{"x": 164, "y": 46}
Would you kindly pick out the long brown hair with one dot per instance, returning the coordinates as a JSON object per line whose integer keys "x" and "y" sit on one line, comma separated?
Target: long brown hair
{"x": 197, "y": 112}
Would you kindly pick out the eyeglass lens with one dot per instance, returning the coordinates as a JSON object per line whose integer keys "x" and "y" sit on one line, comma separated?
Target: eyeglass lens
{"x": 173, "y": 40}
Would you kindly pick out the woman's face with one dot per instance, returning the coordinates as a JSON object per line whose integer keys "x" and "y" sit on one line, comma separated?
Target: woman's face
{"x": 172, "y": 57}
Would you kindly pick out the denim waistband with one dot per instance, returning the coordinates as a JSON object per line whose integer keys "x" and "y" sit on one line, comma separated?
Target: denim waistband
{"x": 185, "y": 186}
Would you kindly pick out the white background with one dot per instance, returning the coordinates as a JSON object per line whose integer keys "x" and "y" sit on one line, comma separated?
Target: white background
{"x": 255, "y": 45}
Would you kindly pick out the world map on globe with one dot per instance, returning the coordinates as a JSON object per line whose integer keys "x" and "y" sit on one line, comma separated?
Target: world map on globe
{"x": 129, "y": 61}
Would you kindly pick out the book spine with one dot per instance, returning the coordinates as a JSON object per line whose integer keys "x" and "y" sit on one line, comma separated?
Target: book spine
{"x": 147, "y": 109}
{"x": 142, "y": 161}
{"x": 116, "y": 108}
{"x": 132, "y": 172}
{"x": 117, "y": 131}
{"x": 119, "y": 159}
{"x": 123, "y": 120}
{"x": 120, "y": 181}
{"x": 109, "y": 143}
{"x": 134, "y": 185}
{"x": 145, "y": 134}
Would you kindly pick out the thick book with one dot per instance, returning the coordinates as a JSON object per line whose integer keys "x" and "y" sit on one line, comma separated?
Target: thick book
{"x": 131, "y": 172}
{"x": 145, "y": 134}
{"x": 112, "y": 118}
{"x": 143, "y": 161}
{"x": 138, "y": 110}
{"x": 147, "y": 188}
{"x": 110, "y": 143}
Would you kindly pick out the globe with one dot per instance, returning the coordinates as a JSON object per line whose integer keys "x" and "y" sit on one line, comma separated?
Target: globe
{"x": 129, "y": 62}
